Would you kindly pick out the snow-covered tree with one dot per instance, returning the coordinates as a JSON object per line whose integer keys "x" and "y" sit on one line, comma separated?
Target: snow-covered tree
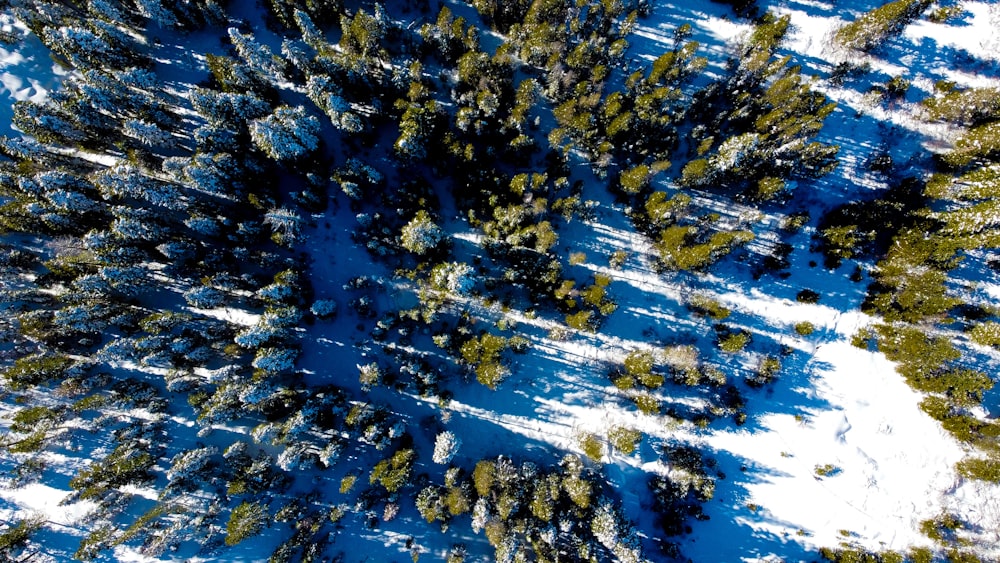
{"x": 226, "y": 108}
{"x": 258, "y": 56}
{"x": 258, "y": 335}
{"x": 245, "y": 521}
{"x": 311, "y": 34}
{"x": 369, "y": 375}
{"x": 275, "y": 360}
{"x": 125, "y": 181}
{"x": 189, "y": 465}
{"x": 286, "y": 134}
{"x": 75, "y": 202}
{"x": 455, "y": 277}
{"x": 324, "y": 308}
{"x": 147, "y": 133}
{"x": 133, "y": 223}
{"x": 297, "y": 456}
{"x": 446, "y": 445}
{"x": 155, "y": 10}
{"x": 421, "y": 234}
{"x": 47, "y": 123}
{"x": 297, "y": 53}
{"x": 204, "y": 297}
{"x": 86, "y": 49}
{"x": 286, "y": 223}
{"x": 614, "y": 533}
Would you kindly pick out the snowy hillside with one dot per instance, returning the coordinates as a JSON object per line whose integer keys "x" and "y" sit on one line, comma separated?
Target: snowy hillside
{"x": 516, "y": 281}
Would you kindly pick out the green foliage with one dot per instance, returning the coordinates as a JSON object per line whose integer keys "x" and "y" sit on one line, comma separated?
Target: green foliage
{"x": 662, "y": 212}
{"x": 362, "y": 34}
{"x": 639, "y": 363}
{"x": 245, "y": 521}
{"x": 485, "y": 355}
{"x": 826, "y": 470}
{"x": 859, "y": 555}
{"x": 971, "y": 106}
{"x": 36, "y": 369}
{"x": 924, "y": 362}
{"x": 347, "y": 483}
{"x": 484, "y": 477}
{"x": 705, "y": 305}
{"x": 941, "y": 528}
{"x": 394, "y": 472}
{"x": 16, "y": 535}
{"x": 583, "y": 320}
{"x": 678, "y": 247}
{"x": 696, "y": 172}
{"x": 767, "y": 370}
{"x": 979, "y": 145}
{"x": 962, "y": 426}
{"x": 421, "y": 234}
{"x": 592, "y": 447}
{"x": 635, "y": 179}
{"x": 647, "y": 403}
{"x": 732, "y": 340}
{"x": 986, "y": 334}
{"x": 804, "y": 328}
{"x": 875, "y": 26}
{"x": 984, "y": 469}
{"x": 127, "y": 464}
{"x": 768, "y": 188}
{"x": 96, "y": 541}
{"x": 624, "y": 439}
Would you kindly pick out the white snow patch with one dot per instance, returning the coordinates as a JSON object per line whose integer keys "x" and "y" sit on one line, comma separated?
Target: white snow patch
{"x": 891, "y": 462}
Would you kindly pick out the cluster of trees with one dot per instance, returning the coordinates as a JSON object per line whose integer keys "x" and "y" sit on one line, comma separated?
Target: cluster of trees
{"x": 134, "y": 217}
{"x": 918, "y": 233}
{"x": 530, "y": 513}
{"x": 135, "y": 261}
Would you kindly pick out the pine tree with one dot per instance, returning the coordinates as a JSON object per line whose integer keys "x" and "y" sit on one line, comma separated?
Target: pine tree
{"x": 287, "y": 134}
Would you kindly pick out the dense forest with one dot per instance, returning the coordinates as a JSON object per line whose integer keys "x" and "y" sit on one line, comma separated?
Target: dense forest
{"x": 255, "y": 257}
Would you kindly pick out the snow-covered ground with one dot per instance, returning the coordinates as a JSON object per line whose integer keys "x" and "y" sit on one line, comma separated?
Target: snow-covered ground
{"x": 835, "y": 451}
{"x": 26, "y": 70}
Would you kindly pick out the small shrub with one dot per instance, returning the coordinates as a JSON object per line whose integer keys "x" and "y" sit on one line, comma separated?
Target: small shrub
{"x": 618, "y": 259}
{"x": 706, "y": 306}
{"x": 827, "y": 470}
{"x": 592, "y": 447}
{"x": 245, "y": 521}
{"x": 624, "y": 439}
{"x": 766, "y": 371}
{"x": 807, "y": 296}
{"x": 897, "y": 86}
{"x": 805, "y": 328}
{"x": 639, "y": 363}
{"x": 986, "y": 334}
{"x": 647, "y": 403}
{"x": 981, "y": 469}
{"x": 945, "y": 13}
{"x": 862, "y": 338}
{"x": 731, "y": 340}
{"x": 347, "y": 483}
{"x": 793, "y": 223}
{"x": 582, "y": 320}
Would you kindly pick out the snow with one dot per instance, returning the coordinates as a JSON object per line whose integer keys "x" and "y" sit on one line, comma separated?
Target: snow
{"x": 837, "y": 450}
{"x": 892, "y": 462}
{"x": 26, "y": 71}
